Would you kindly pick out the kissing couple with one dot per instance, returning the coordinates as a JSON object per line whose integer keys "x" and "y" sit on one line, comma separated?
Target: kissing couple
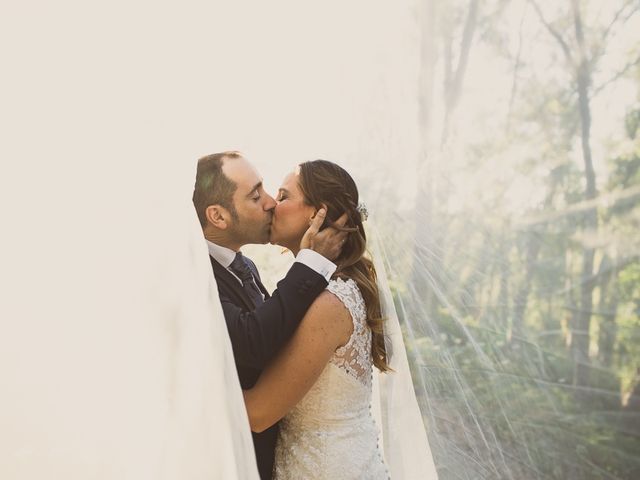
{"x": 306, "y": 353}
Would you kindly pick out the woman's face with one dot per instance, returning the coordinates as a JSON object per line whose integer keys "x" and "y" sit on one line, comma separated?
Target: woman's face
{"x": 291, "y": 216}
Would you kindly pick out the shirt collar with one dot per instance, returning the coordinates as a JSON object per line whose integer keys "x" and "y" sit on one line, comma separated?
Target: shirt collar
{"x": 223, "y": 255}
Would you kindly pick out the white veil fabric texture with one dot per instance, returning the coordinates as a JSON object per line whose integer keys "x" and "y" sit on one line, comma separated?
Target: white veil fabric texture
{"x": 115, "y": 362}
{"x": 395, "y": 406}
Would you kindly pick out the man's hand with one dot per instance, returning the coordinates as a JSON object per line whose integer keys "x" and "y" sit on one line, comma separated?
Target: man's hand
{"x": 328, "y": 242}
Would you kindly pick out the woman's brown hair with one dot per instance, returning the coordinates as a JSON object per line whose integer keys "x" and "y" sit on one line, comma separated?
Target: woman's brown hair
{"x": 325, "y": 183}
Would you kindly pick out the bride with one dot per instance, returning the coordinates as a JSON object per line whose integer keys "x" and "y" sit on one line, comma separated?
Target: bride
{"x": 320, "y": 384}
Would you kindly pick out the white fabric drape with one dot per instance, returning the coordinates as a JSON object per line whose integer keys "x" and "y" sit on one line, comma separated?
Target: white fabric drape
{"x": 395, "y": 407}
{"x": 115, "y": 362}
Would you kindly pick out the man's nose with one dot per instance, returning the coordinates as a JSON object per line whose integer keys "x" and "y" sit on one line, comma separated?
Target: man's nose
{"x": 269, "y": 203}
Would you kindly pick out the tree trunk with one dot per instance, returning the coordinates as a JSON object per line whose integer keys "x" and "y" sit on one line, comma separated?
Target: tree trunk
{"x": 570, "y": 302}
{"x": 503, "y": 294}
{"x": 454, "y": 80}
{"x": 521, "y": 298}
{"x": 430, "y": 229}
{"x": 425, "y": 242}
{"x": 582, "y": 324}
{"x": 608, "y": 306}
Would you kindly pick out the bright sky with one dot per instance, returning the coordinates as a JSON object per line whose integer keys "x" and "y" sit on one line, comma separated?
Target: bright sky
{"x": 338, "y": 80}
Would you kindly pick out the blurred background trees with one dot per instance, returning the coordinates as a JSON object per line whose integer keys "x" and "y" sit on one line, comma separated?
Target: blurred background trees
{"x": 497, "y": 144}
{"x": 527, "y": 222}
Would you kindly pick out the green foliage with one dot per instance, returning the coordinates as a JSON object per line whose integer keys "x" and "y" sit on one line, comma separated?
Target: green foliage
{"x": 505, "y": 284}
{"x": 632, "y": 123}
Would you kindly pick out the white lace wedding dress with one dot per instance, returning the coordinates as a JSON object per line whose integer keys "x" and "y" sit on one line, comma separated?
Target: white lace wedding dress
{"x": 331, "y": 433}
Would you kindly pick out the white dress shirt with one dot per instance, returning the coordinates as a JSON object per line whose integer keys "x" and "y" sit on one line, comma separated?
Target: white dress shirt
{"x": 316, "y": 262}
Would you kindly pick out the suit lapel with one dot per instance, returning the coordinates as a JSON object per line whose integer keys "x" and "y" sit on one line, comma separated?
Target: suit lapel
{"x": 231, "y": 284}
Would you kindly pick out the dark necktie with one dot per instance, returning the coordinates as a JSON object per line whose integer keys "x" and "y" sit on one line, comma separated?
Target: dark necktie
{"x": 240, "y": 267}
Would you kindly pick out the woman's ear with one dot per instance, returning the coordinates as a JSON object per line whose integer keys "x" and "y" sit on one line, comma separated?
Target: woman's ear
{"x": 218, "y": 216}
{"x": 315, "y": 210}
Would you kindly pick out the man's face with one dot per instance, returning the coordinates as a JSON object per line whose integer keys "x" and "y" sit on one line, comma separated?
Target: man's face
{"x": 253, "y": 205}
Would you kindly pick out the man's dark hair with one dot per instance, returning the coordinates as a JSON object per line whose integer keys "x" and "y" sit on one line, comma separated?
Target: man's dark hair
{"x": 212, "y": 185}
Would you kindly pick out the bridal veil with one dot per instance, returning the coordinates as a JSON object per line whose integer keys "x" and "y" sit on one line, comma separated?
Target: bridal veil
{"x": 114, "y": 356}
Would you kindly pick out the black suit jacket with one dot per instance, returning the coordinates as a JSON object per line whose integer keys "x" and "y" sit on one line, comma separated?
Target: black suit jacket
{"x": 257, "y": 334}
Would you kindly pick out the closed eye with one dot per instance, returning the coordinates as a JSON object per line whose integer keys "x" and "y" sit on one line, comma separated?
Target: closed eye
{"x": 254, "y": 194}
{"x": 282, "y": 194}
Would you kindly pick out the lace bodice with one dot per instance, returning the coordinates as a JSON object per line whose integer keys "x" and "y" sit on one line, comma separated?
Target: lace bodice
{"x": 355, "y": 356}
{"x": 331, "y": 433}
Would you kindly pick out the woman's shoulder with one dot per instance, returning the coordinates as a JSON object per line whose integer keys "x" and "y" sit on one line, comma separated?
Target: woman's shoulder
{"x": 331, "y": 302}
{"x": 330, "y": 310}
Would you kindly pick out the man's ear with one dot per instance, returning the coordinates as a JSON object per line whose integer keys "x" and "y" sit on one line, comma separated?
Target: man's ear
{"x": 218, "y": 216}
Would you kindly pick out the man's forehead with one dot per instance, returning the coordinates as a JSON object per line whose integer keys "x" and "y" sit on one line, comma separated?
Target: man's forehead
{"x": 241, "y": 172}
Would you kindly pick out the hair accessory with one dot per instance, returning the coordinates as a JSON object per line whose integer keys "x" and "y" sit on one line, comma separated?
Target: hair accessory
{"x": 364, "y": 213}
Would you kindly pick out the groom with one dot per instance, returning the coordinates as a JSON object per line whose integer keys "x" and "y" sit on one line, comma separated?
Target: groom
{"x": 234, "y": 210}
